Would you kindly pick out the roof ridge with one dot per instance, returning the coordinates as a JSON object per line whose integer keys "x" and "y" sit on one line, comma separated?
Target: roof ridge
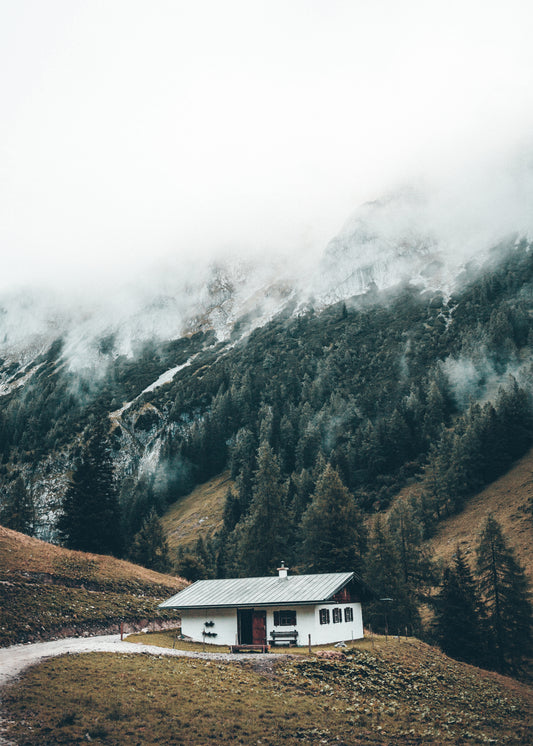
{"x": 267, "y": 590}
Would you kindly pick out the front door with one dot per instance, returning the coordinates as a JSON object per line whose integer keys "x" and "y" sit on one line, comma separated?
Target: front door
{"x": 259, "y": 627}
{"x": 245, "y": 621}
{"x": 252, "y": 627}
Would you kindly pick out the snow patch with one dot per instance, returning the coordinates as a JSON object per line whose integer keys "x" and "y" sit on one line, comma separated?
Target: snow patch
{"x": 167, "y": 376}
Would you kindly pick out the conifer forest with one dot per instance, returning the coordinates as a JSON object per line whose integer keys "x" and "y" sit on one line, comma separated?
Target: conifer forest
{"x": 323, "y": 418}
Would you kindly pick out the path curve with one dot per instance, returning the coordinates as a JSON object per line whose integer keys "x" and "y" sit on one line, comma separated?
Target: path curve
{"x": 14, "y": 659}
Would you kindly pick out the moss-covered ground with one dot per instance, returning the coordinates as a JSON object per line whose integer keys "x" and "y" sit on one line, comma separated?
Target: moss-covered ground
{"x": 391, "y": 693}
{"x": 46, "y": 590}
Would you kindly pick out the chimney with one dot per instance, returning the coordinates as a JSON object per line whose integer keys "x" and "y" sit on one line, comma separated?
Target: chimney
{"x": 283, "y": 571}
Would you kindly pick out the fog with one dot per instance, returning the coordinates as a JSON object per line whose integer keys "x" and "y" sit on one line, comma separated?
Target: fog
{"x": 141, "y": 142}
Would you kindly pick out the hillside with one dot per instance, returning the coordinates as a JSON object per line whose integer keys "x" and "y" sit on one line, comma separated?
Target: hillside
{"x": 47, "y": 591}
{"x": 366, "y": 383}
{"x": 375, "y": 692}
{"x": 319, "y": 417}
{"x": 197, "y": 515}
{"x": 509, "y": 500}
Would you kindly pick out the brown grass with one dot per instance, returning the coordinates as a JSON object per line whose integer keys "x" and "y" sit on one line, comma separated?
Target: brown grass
{"x": 396, "y": 693}
{"x": 509, "y": 501}
{"x": 169, "y": 638}
{"x": 47, "y": 591}
{"x": 199, "y": 514}
{"x": 21, "y": 553}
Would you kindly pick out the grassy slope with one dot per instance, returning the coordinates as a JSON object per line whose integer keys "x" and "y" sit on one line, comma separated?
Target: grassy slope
{"x": 509, "y": 500}
{"x": 199, "y": 514}
{"x": 383, "y": 693}
{"x": 45, "y": 589}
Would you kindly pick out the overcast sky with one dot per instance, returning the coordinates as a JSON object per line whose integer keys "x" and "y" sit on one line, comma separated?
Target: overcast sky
{"x": 133, "y": 131}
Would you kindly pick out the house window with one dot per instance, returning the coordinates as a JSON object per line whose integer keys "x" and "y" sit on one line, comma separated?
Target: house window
{"x": 324, "y": 616}
{"x": 348, "y": 614}
{"x": 284, "y": 618}
{"x": 337, "y": 615}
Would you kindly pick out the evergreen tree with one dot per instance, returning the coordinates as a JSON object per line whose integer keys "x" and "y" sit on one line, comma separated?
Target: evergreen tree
{"x": 333, "y": 532}
{"x": 516, "y": 417}
{"x": 416, "y": 568}
{"x": 407, "y": 533}
{"x": 383, "y": 573}
{"x": 204, "y": 551}
{"x": 191, "y": 567}
{"x": 223, "y": 549}
{"x": 459, "y": 617}
{"x": 504, "y": 590}
{"x": 90, "y": 520}
{"x": 150, "y": 546}
{"x": 435, "y": 412}
{"x": 263, "y": 531}
{"x": 232, "y": 511}
{"x": 17, "y": 510}
{"x": 137, "y": 499}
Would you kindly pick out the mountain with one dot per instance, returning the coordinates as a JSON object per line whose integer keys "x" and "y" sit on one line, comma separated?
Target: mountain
{"x": 360, "y": 359}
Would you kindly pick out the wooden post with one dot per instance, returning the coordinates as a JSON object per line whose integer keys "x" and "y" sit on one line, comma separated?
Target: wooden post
{"x": 309, "y": 640}
{"x": 121, "y": 630}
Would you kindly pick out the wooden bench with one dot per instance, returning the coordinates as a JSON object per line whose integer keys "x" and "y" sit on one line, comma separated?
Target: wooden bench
{"x": 289, "y": 635}
{"x": 248, "y": 648}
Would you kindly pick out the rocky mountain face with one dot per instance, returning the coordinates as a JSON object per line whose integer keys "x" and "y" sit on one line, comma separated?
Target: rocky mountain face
{"x": 158, "y": 364}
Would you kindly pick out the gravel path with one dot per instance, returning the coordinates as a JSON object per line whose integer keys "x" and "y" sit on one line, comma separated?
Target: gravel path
{"x": 14, "y": 659}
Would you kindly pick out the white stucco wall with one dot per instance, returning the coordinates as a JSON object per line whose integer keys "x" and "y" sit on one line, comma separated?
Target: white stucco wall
{"x": 193, "y": 624}
{"x": 307, "y": 623}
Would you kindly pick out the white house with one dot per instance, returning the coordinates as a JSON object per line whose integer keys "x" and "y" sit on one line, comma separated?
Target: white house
{"x": 264, "y": 611}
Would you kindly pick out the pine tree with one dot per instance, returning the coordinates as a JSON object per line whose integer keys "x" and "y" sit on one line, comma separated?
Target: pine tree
{"x": 150, "y": 546}
{"x": 263, "y": 531}
{"x": 504, "y": 590}
{"x": 407, "y": 533}
{"x": 383, "y": 573}
{"x": 416, "y": 568}
{"x": 17, "y": 510}
{"x": 515, "y": 414}
{"x": 460, "y": 624}
{"x": 90, "y": 520}
{"x": 191, "y": 567}
{"x": 333, "y": 532}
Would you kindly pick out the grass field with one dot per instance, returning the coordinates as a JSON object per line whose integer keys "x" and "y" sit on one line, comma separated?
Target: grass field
{"x": 199, "y": 514}
{"x": 46, "y": 590}
{"x": 510, "y": 500}
{"x": 170, "y": 638}
{"x": 391, "y": 693}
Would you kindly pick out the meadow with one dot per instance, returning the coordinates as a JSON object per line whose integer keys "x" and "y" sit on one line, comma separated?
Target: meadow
{"x": 377, "y": 692}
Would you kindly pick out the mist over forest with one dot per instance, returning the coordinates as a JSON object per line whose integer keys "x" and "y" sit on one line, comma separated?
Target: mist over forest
{"x": 287, "y": 248}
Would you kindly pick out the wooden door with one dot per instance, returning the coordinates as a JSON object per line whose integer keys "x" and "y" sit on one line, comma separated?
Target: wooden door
{"x": 244, "y": 617}
{"x": 259, "y": 628}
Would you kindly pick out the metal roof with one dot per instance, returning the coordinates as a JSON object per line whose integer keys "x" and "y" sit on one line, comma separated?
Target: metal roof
{"x": 269, "y": 591}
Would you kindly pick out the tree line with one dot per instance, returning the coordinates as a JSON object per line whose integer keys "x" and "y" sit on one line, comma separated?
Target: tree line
{"x": 485, "y": 617}
{"x": 321, "y": 418}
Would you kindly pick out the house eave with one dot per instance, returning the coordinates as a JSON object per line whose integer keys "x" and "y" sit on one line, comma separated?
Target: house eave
{"x": 257, "y": 605}
{"x": 266, "y": 592}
